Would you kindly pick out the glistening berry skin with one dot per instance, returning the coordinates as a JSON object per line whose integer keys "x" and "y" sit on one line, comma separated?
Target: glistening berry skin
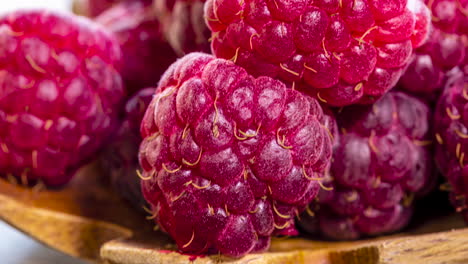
{"x": 183, "y": 24}
{"x": 228, "y": 160}
{"x": 120, "y": 159}
{"x": 446, "y": 48}
{"x": 451, "y": 122}
{"x": 342, "y": 52}
{"x": 60, "y": 91}
{"x": 146, "y": 54}
{"x": 381, "y": 161}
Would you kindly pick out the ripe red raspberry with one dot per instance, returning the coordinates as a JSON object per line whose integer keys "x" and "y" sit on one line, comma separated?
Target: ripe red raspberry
{"x": 183, "y": 24}
{"x": 120, "y": 159}
{"x": 145, "y": 52}
{"x": 59, "y": 92}
{"x": 381, "y": 160}
{"x": 227, "y": 159}
{"x": 447, "y": 48}
{"x": 451, "y": 122}
{"x": 341, "y": 51}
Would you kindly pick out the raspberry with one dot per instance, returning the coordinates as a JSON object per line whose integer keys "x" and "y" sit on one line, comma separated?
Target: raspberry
{"x": 120, "y": 158}
{"x": 342, "y": 52}
{"x": 380, "y": 163}
{"x": 451, "y": 122}
{"x": 146, "y": 54}
{"x": 184, "y": 25}
{"x": 92, "y": 8}
{"x": 228, "y": 160}
{"x": 447, "y": 48}
{"x": 59, "y": 93}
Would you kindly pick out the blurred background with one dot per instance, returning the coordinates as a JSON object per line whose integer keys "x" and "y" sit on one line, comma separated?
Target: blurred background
{"x": 6, "y": 5}
{"x": 15, "y": 247}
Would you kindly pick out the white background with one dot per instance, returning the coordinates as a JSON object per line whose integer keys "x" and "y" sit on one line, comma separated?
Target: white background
{"x": 16, "y": 248}
{"x": 8, "y": 5}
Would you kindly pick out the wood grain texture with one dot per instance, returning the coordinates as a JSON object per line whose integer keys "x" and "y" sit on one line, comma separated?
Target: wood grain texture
{"x": 87, "y": 220}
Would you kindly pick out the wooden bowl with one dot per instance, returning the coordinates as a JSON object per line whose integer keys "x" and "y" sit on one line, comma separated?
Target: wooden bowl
{"x": 88, "y": 221}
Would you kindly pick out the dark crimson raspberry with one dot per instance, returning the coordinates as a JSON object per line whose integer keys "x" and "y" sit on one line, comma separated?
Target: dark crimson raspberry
{"x": 183, "y": 24}
{"x": 146, "y": 54}
{"x": 343, "y": 52}
{"x": 228, "y": 159}
{"x": 447, "y": 48}
{"x": 59, "y": 93}
{"x": 381, "y": 161}
{"x": 451, "y": 122}
{"x": 120, "y": 159}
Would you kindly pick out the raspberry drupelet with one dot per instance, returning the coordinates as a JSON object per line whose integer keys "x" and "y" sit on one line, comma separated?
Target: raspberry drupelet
{"x": 60, "y": 91}
{"x": 446, "y": 49}
{"x": 451, "y": 122}
{"x": 228, "y": 159}
{"x": 382, "y": 160}
{"x": 342, "y": 52}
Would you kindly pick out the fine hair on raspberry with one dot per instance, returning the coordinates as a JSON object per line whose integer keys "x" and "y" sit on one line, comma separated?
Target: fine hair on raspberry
{"x": 60, "y": 91}
{"x": 228, "y": 159}
{"x": 342, "y": 52}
